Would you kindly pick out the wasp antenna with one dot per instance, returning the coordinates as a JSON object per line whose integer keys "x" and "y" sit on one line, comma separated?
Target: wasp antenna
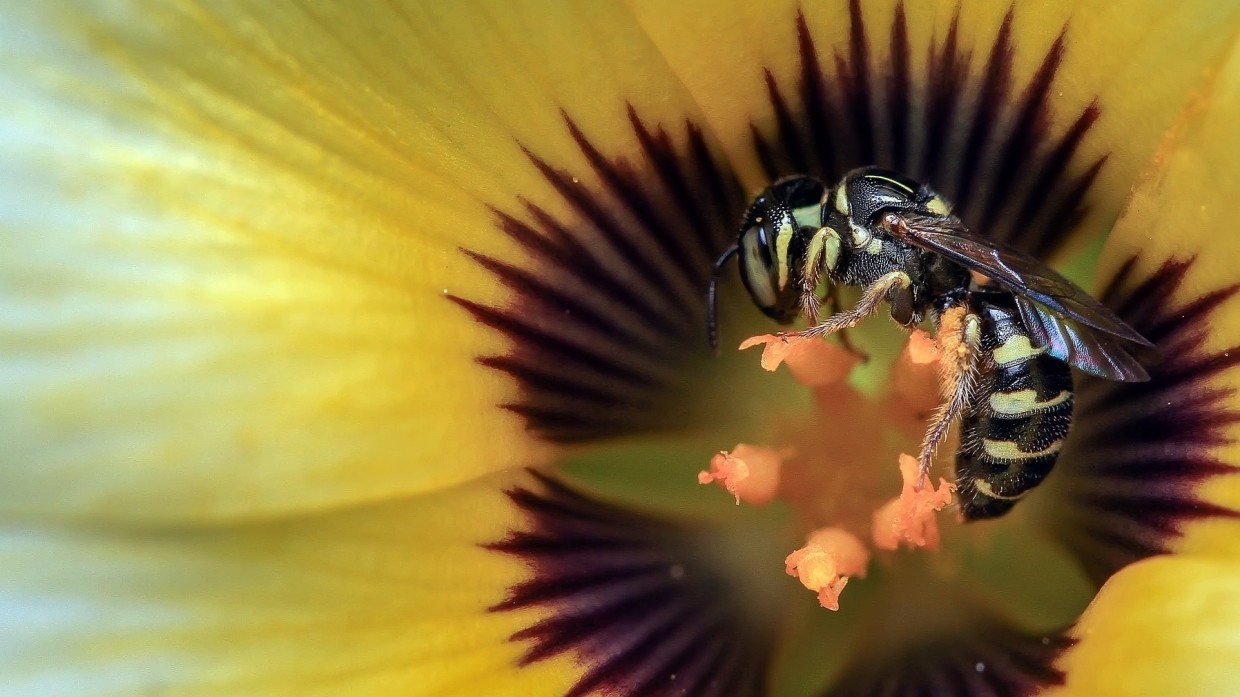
{"x": 712, "y": 298}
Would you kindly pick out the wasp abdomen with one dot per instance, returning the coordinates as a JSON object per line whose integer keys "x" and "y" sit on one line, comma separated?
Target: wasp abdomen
{"x": 1017, "y": 419}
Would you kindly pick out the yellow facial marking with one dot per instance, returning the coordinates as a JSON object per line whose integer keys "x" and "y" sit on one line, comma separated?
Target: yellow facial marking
{"x": 1024, "y": 402}
{"x": 1007, "y": 450}
{"x": 984, "y": 486}
{"x": 874, "y": 247}
{"x": 1016, "y": 348}
{"x": 783, "y": 238}
{"x": 938, "y": 206}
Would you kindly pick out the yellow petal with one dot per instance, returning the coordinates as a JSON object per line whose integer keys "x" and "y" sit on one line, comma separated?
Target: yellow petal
{"x": 513, "y": 584}
{"x": 227, "y": 233}
{"x": 390, "y": 599}
{"x": 1164, "y": 626}
{"x": 1182, "y": 210}
{"x": 1136, "y": 61}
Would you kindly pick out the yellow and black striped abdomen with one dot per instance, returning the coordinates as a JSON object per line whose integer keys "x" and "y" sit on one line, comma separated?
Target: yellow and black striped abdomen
{"x": 1018, "y": 418}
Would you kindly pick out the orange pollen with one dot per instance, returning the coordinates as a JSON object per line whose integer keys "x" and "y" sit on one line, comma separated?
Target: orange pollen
{"x": 909, "y": 518}
{"x": 750, "y": 472}
{"x": 953, "y": 352}
{"x": 813, "y": 362}
{"x": 832, "y": 480}
{"x": 829, "y": 558}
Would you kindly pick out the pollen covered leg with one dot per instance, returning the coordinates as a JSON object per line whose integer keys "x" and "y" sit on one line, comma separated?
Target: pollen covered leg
{"x": 959, "y": 338}
{"x": 866, "y": 306}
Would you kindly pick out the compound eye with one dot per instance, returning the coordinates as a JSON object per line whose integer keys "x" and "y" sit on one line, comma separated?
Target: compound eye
{"x": 758, "y": 265}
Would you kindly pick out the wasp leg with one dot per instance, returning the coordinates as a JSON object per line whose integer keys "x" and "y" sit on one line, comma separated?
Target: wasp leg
{"x": 833, "y": 303}
{"x": 866, "y": 306}
{"x": 959, "y": 339}
{"x": 810, "y": 304}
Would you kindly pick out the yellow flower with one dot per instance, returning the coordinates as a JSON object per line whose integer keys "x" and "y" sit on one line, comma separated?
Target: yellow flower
{"x": 294, "y": 294}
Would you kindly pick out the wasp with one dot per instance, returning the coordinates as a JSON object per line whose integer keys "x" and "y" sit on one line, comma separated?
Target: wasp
{"x": 1012, "y": 327}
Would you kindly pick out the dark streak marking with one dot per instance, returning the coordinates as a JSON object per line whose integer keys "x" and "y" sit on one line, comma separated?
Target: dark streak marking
{"x": 899, "y": 105}
{"x": 604, "y": 313}
{"x": 995, "y": 89}
{"x": 1130, "y": 473}
{"x": 632, "y": 598}
{"x": 987, "y": 143}
{"x": 1013, "y": 663}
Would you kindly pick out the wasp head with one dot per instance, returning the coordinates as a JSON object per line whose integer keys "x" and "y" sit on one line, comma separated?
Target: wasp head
{"x": 772, "y": 243}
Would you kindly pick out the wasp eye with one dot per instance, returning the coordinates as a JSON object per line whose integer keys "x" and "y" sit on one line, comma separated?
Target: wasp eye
{"x": 772, "y": 244}
{"x": 758, "y": 267}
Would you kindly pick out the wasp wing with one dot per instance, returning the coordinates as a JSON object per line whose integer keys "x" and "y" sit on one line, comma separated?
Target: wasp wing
{"x": 1061, "y": 317}
{"x": 1080, "y": 346}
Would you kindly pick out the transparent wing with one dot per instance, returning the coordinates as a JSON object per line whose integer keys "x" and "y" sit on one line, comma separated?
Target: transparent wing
{"x": 1081, "y": 346}
{"x": 1060, "y": 316}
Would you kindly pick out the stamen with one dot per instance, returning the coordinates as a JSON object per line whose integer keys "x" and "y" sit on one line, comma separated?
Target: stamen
{"x": 837, "y": 489}
{"x": 813, "y": 362}
{"x": 829, "y": 558}
{"x": 750, "y": 472}
{"x": 910, "y": 517}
